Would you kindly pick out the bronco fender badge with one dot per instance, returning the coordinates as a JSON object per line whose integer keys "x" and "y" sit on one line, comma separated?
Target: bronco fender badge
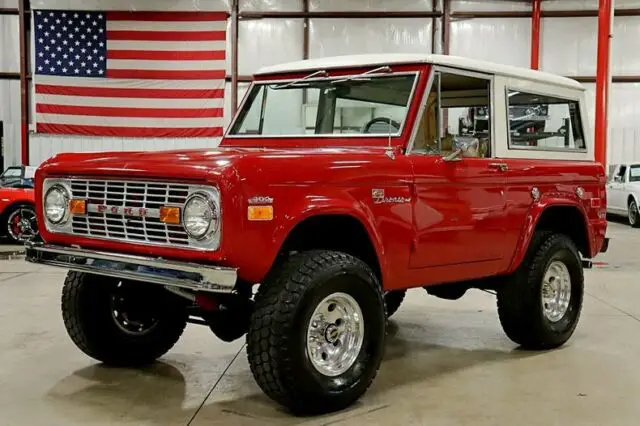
{"x": 379, "y": 198}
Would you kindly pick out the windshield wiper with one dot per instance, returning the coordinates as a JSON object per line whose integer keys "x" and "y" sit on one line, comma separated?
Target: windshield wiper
{"x": 364, "y": 75}
{"x": 297, "y": 82}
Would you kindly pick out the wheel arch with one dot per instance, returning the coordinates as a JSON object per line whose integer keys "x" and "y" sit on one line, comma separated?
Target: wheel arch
{"x": 13, "y": 205}
{"x": 563, "y": 216}
{"x": 348, "y": 232}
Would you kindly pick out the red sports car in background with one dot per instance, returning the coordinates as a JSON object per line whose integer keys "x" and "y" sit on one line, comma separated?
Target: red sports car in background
{"x": 17, "y": 214}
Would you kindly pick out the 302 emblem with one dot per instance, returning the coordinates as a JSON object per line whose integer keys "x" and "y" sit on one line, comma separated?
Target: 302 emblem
{"x": 259, "y": 199}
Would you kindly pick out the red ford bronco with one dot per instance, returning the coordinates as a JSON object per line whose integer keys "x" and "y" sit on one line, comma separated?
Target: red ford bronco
{"x": 339, "y": 184}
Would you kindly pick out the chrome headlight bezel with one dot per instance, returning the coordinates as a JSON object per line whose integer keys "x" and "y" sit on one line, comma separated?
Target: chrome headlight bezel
{"x": 62, "y": 185}
{"x": 212, "y": 236}
{"x": 213, "y": 211}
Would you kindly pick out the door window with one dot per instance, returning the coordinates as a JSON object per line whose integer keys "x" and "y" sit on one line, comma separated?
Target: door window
{"x": 634, "y": 173}
{"x": 620, "y": 175}
{"x": 457, "y": 112}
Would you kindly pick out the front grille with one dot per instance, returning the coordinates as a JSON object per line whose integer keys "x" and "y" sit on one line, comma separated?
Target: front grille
{"x": 129, "y": 194}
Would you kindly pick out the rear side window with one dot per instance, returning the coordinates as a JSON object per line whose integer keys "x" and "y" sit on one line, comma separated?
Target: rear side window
{"x": 543, "y": 122}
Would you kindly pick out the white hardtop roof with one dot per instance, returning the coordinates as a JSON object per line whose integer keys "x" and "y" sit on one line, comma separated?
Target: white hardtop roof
{"x": 349, "y": 61}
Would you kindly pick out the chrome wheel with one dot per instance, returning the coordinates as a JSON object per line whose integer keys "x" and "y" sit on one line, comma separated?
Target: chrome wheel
{"x": 556, "y": 291}
{"x": 633, "y": 213}
{"x": 21, "y": 224}
{"x": 335, "y": 334}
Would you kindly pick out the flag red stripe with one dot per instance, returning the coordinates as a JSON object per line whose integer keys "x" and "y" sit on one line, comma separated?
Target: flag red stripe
{"x": 167, "y": 16}
{"x": 167, "y": 55}
{"x": 167, "y": 74}
{"x": 129, "y": 111}
{"x": 167, "y": 35}
{"x": 108, "y": 92}
{"x": 129, "y": 131}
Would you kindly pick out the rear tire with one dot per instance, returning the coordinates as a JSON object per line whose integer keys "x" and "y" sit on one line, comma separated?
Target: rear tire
{"x": 121, "y": 323}
{"x": 533, "y": 312}
{"x": 633, "y": 215}
{"x": 300, "y": 350}
{"x": 393, "y": 299}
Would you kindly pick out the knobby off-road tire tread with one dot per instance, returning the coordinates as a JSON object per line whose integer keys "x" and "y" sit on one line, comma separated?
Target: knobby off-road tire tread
{"x": 269, "y": 337}
{"x": 516, "y": 301}
{"x": 393, "y": 300}
{"x": 96, "y": 339}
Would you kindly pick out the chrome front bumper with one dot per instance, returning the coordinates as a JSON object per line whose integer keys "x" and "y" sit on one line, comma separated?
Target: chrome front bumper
{"x": 137, "y": 268}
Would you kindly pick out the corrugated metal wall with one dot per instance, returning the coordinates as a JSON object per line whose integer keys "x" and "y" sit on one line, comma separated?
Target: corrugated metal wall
{"x": 10, "y": 89}
{"x": 568, "y": 47}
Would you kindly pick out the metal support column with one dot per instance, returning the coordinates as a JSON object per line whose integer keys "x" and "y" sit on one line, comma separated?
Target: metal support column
{"x": 603, "y": 79}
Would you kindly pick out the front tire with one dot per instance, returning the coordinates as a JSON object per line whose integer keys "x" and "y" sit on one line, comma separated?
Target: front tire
{"x": 317, "y": 334}
{"x": 633, "y": 215}
{"x": 121, "y": 323}
{"x": 393, "y": 299}
{"x": 539, "y": 305}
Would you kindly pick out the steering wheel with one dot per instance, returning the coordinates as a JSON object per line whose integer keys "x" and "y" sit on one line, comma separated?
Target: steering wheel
{"x": 382, "y": 120}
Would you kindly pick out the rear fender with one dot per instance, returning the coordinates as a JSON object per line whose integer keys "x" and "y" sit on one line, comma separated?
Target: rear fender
{"x": 532, "y": 219}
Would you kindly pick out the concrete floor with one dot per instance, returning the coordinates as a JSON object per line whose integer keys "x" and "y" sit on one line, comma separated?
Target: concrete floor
{"x": 447, "y": 363}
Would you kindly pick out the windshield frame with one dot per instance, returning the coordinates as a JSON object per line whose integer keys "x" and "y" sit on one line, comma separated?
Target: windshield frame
{"x": 416, "y": 73}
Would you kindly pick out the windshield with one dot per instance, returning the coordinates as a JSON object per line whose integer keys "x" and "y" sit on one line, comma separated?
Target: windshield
{"x": 12, "y": 172}
{"x": 357, "y": 105}
{"x": 634, "y": 174}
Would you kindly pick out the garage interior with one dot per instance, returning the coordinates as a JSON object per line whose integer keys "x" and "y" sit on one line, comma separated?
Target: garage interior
{"x": 446, "y": 362}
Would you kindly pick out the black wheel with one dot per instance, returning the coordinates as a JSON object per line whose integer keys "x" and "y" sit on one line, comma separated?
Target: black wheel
{"x": 121, "y": 323}
{"x": 539, "y": 305}
{"x": 20, "y": 224}
{"x": 317, "y": 334}
{"x": 393, "y": 299}
{"x": 634, "y": 217}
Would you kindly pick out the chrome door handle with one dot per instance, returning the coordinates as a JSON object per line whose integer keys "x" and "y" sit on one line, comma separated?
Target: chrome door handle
{"x": 499, "y": 166}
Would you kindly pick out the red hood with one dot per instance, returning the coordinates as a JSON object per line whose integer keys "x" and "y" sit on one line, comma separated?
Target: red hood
{"x": 190, "y": 165}
{"x": 182, "y": 164}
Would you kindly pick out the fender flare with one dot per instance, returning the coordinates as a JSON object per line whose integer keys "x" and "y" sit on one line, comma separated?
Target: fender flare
{"x": 336, "y": 206}
{"x": 533, "y": 216}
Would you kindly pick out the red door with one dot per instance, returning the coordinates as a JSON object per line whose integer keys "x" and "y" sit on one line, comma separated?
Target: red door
{"x": 460, "y": 211}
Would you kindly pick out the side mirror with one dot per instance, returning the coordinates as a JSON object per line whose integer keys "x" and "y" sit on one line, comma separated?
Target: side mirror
{"x": 464, "y": 146}
{"x": 617, "y": 179}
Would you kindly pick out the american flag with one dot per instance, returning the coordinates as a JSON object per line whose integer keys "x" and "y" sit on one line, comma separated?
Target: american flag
{"x": 129, "y": 74}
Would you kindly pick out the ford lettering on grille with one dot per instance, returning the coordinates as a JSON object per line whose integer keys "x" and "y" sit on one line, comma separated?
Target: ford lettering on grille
{"x": 124, "y": 211}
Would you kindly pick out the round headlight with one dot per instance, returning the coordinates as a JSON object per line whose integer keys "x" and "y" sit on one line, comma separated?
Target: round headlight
{"x": 56, "y": 201}
{"x": 200, "y": 216}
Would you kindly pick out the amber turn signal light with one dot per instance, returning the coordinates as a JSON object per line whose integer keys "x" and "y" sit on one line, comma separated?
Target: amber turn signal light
{"x": 170, "y": 215}
{"x": 260, "y": 213}
{"x": 78, "y": 207}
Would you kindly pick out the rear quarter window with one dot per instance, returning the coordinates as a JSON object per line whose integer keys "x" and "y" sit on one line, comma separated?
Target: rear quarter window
{"x": 543, "y": 122}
